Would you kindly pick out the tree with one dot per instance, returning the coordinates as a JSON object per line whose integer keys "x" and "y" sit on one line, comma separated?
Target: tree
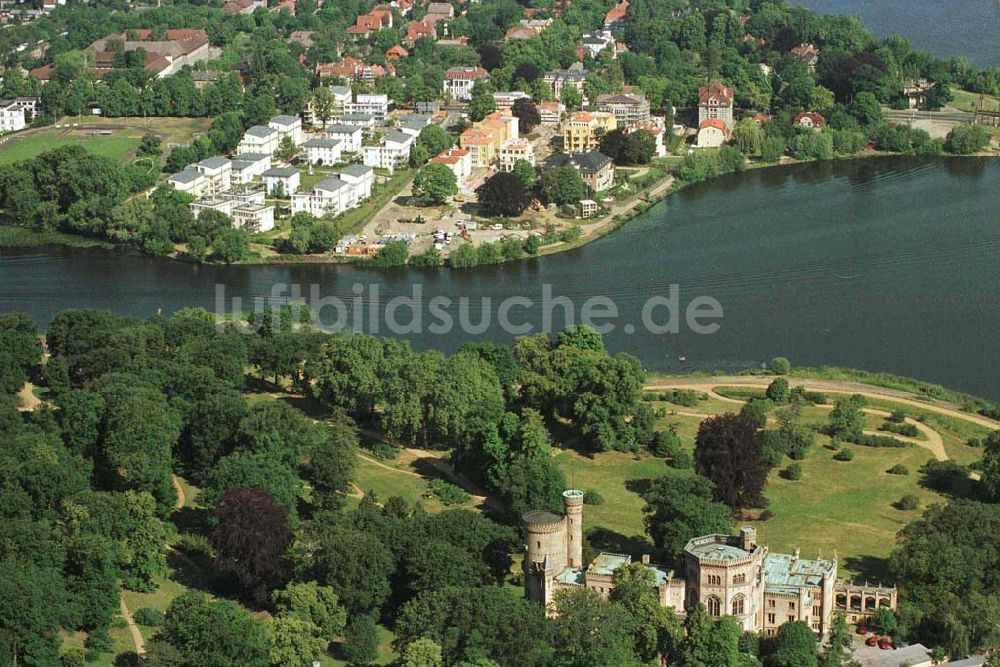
{"x": 216, "y": 633}
{"x": 434, "y": 139}
{"x": 748, "y": 136}
{"x": 885, "y": 621}
{"x": 526, "y": 172}
{"x": 149, "y": 146}
{"x": 571, "y": 97}
{"x": 589, "y": 631}
{"x": 866, "y": 110}
{"x": 729, "y": 452}
{"x": 313, "y": 604}
{"x": 361, "y": 640}
{"x": 421, "y": 653}
{"x": 526, "y": 113}
{"x": 250, "y": 539}
{"x": 707, "y": 642}
{"x": 839, "y": 642}
{"x": 653, "y": 627}
{"x": 779, "y": 391}
{"x": 967, "y": 139}
{"x": 286, "y": 150}
{"x": 847, "y": 421}
{"x": 640, "y": 147}
{"x": 679, "y": 506}
{"x": 613, "y": 143}
{"x": 356, "y": 566}
{"x": 294, "y": 642}
{"x": 779, "y": 366}
{"x": 393, "y": 253}
{"x": 322, "y": 104}
{"x": 938, "y": 95}
{"x": 795, "y": 646}
{"x": 563, "y": 186}
{"x": 435, "y": 182}
{"x": 503, "y": 195}
{"x": 232, "y": 246}
{"x": 991, "y": 465}
{"x": 331, "y": 464}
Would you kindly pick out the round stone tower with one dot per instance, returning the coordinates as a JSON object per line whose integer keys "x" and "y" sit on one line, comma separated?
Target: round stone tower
{"x": 545, "y": 553}
{"x": 573, "y": 502}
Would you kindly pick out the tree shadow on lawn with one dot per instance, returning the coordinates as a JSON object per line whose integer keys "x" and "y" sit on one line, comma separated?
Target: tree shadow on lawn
{"x": 870, "y": 568}
{"x": 605, "y": 539}
{"x": 639, "y": 486}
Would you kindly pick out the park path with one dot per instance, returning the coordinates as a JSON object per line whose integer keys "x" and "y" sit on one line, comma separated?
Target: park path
{"x": 181, "y": 498}
{"x": 933, "y": 441}
{"x": 137, "y": 639}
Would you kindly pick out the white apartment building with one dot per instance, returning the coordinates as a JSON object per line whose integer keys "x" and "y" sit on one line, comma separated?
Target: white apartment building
{"x": 512, "y": 151}
{"x": 458, "y": 81}
{"x": 361, "y": 179}
{"x": 369, "y": 104}
{"x": 218, "y": 174}
{"x": 504, "y": 101}
{"x": 323, "y": 151}
{"x": 288, "y": 126}
{"x": 246, "y": 166}
{"x": 189, "y": 181}
{"x": 220, "y": 205}
{"x": 392, "y": 152}
{"x": 253, "y": 217}
{"x": 350, "y": 135}
{"x": 11, "y": 116}
{"x": 259, "y": 139}
{"x": 282, "y": 181}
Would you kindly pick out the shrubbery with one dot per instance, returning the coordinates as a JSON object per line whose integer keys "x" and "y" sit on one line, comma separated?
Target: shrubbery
{"x": 844, "y": 454}
{"x": 448, "y": 493}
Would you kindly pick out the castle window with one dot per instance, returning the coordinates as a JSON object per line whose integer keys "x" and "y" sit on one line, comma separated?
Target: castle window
{"x": 791, "y": 619}
{"x": 770, "y": 619}
{"x": 791, "y": 606}
{"x": 817, "y": 611}
{"x": 740, "y": 579}
{"x": 714, "y": 580}
{"x": 771, "y": 604}
{"x": 714, "y": 605}
{"x": 739, "y": 603}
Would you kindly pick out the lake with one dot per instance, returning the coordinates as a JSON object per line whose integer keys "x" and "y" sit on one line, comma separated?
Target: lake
{"x": 969, "y": 28}
{"x": 886, "y": 264}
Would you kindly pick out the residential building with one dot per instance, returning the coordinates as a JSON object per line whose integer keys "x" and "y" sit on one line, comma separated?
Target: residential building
{"x": 352, "y": 69}
{"x": 254, "y": 218}
{"x": 615, "y": 18}
{"x": 368, "y": 24}
{"x": 350, "y": 135}
{"x": 593, "y": 43}
{"x": 365, "y": 121}
{"x": 556, "y": 79}
{"x": 418, "y": 30}
{"x": 218, "y": 204}
{"x": 259, "y": 139}
{"x": 810, "y": 120}
{"x": 516, "y": 32}
{"x": 332, "y": 196}
{"x": 189, "y": 181}
{"x": 712, "y": 133}
{"x": 246, "y": 166}
{"x": 218, "y": 173}
{"x": 369, "y": 104}
{"x": 281, "y": 181}
{"x": 392, "y": 151}
{"x": 588, "y": 208}
{"x": 166, "y": 53}
{"x": 730, "y": 575}
{"x": 582, "y": 131}
{"x": 341, "y": 96}
{"x": 288, "y": 126}
{"x": 596, "y": 169}
{"x": 484, "y": 139}
{"x": 551, "y": 113}
{"x": 323, "y": 151}
{"x": 243, "y": 6}
{"x": 628, "y": 108}
{"x": 11, "y": 116}
{"x": 504, "y": 101}
{"x": 440, "y": 11}
{"x": 458, "y": 81}
{"x": 459, "y": 161}
{"x": 512, "y": 151}
{"x": 396, "y": 52}
{"x": 361, "y": 179}
{"x": 808, "y": 54}
{"x": 915, "y": 92}
{"x": 716, "y": 101}
{"x": 304, "y": 37}
{"x": 205, "y": 78}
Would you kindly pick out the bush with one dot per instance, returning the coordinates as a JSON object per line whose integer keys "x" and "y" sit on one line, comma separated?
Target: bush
{"x": 908, "y": 430}
{"x": 844, "y": 455}
{"x": 756, "y": 411}
{"x": 793, "y": 472}
{"x": 591, "y": 497}
{"x": 816, "y": 397}
{"x": 974, "y": 442}
{"x": 879, "y": 441}
{"x": 682, "y": 460}
{"x": 779, "y": 366}
{"x": 73, "y": 657}
{"x": 688, "y": 398}
{"x": 98, "y": 641}
{"x": 148, "y": 616}
{"x": 448, "y": 493}
{"x": 967, "y": 139}
{"x": 899, "y": 469}
{"x": 908, "y": 503}
{"x": 665, "y": 444}
{"x": 383, "y": 451}
{"x": 896, "y": 416}
{"x": 779, "y": 391}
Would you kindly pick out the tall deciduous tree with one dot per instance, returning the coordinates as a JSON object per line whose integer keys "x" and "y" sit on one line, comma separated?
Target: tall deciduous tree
{"x": 503, "y": 195}
{"x": 730, "y": 452}
{"x": 678, "y": 507}
{"x": 435, "y": 183}
{"x": 526, "y": 113}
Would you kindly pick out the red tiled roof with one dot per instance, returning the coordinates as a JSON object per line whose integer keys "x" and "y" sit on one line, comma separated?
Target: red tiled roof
{"x": 817, "y": 119}
{"x": 397, "y": 51}
{"x": 417, "y": 29}
{"x": 718, "y": 90}
{"x": 465, "y": 73}
{"x": 616, "y": 13}
{"x": 717, "y": 123}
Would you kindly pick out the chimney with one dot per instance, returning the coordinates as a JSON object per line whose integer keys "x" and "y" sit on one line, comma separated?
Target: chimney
{"x": 797, "y": 553}
{"x": 645, "y": 559}
{"x": 748, "y": 538}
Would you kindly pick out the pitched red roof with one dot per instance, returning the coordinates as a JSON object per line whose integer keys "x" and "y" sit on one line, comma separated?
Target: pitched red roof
{"x": 465, "y": 73}
{"x": 717, "y": 123}
{"x": 718, "y": 90}
{"x": 397, "y": 52}
{"x": 816, "y": 120}
{"x": 616, "y": 13}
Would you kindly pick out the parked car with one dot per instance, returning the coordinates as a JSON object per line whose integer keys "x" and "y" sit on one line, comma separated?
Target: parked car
{"x": 872, "y": 640}
{"x": 885, "y": 643}
{"x": 862, "y": 629}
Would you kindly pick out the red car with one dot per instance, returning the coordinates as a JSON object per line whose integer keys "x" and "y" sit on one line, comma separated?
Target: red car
{"x": 872, "y": 640}
{"x": 885, "y": 643}
{"x": 862, "y": 629}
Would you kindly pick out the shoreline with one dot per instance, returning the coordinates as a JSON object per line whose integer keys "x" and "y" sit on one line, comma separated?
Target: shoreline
{"x": 15, "y": 236}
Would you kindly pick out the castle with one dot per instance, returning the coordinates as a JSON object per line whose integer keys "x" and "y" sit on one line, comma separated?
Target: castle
{"x": 730, "y": 575}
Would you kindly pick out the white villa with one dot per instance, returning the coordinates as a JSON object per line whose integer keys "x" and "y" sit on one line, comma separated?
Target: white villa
{"x": 323, "y": 151}
{"x": 283, "y": 180}
{"x": 350, "y": 135}
{"x": 370, "y": 105}
{"x": 288, "y": 126}
{"x": 332, "y": 196}
{"x": 259, "y": 139}
{"x": 392, "y": 152}
{"x": 218, "y": 174}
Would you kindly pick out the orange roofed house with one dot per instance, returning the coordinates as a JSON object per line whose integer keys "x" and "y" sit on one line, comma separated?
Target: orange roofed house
{"x": 166, "y": 53}
{"x": 712, "y": 133}
{"x": 458, "y": 81}
{"x": 418, "y": 29}
{"x": 716, "y": 101}
{"x": 353, "y": 69}
{"x": 615, "y": 18}
{"x": 370, "y": 23}
{"x": 813, "y": 121}
{"x": 485, "y": 139}
{"x": 459, "y": 160}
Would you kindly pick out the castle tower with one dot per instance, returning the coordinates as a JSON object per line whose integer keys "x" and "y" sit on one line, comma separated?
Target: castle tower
{"x": 545, "y": 553}
{"x": 573, "y": 502}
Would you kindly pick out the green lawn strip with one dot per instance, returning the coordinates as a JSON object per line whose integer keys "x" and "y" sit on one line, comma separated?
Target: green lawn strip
{"x": 354, "y": 220}
{"x": 114, "y": 147}
{"x": 370, "y": 477}
{"x": 966, "y": 100}
{"x": 12, "y": 236}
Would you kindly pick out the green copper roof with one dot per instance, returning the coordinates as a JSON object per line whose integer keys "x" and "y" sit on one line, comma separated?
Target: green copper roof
{"x": 606, "y": 563}
{"x": 572, "y": 576}
{"x": 784, "y": 573}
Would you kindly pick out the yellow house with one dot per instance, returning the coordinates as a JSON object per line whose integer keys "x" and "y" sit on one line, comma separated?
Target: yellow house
{"x": 484, "y": 139}
{"x": 582, "y": 131}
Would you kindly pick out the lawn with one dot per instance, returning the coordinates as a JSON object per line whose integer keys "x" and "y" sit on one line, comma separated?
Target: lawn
{"x": 353, "y": 220}
{"x": 371, "y": 477}
{"x": 120, "y": 144}
{"x": 967, "y": 101}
